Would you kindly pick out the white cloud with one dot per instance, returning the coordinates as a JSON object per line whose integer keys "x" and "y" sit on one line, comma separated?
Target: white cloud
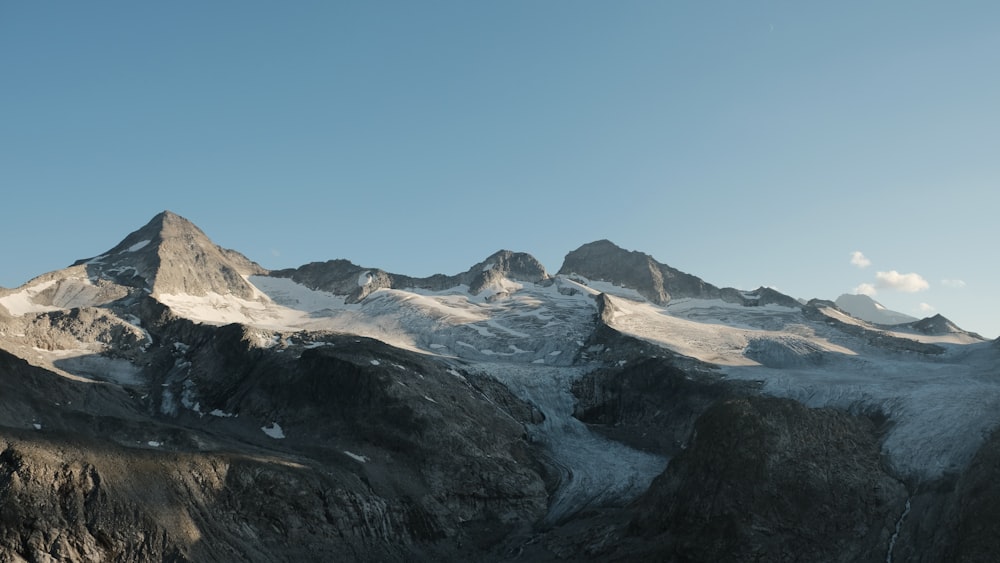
{"x": 865, "y": 289}
{"x": 860, "y": 260}
{"x": 925, "y": 308}
{"x": 954, "y": 284}
{"x": 908, "y": 283}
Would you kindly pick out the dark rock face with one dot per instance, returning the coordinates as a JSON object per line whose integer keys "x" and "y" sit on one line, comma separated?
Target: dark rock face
{"x": 751, "y": 478}
{"x": 342, "y": 277}
{"x": 977, "y": 506}
{"x": 651, "y": 404}
{"x": 768, "y": 479}
{"x": 956, "y": 519}
{"x": 55, "y": 506}
{"x": 62, "y": 501}
{"x": 171, "y": 255}
{"x": 387, "y": 455}
{"x": 604, "y": 261}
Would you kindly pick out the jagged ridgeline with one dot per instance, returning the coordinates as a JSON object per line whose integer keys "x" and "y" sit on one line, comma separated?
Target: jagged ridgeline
{"x": 171, "y": 400}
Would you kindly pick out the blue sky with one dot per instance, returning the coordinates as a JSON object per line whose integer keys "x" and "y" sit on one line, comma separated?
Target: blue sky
{"x": 749, "y": 143}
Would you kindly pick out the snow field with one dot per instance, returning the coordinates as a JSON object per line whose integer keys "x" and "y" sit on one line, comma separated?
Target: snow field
{"x": 941, "y": 407}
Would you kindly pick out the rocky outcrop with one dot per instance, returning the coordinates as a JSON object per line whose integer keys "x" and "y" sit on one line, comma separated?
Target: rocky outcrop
{"x": 650, "y": 404}
{"x": 758, "y": 297}
{"x": 69, "y": 329}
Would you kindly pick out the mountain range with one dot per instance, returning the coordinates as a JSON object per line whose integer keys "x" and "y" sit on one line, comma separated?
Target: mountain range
{"x": 171, "y": 400}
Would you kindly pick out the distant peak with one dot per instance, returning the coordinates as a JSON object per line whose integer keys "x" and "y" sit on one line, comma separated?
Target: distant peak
{"x": 867, "y": 309}
{"x": 938, "y": 324}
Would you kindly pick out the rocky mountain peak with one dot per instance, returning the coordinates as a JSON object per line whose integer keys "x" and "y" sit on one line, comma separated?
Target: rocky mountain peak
{"x": 936, "y": 325}
{"x": 603, "y": 260}
{"x": 519, "y": 266}
{"x": 171, "y": 255}
{"x": 500, "y": 266}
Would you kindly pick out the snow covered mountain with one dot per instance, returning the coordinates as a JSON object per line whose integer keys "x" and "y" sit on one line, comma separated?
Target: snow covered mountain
{"x": 867, "y": 309}
{"x": 586, "y": 401}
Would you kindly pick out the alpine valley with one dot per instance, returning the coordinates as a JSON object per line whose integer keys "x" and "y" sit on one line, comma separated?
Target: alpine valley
{"x": 171, "y": 400}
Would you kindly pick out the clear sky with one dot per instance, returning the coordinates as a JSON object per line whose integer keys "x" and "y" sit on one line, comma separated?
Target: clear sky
{"x": 749, "y": 143}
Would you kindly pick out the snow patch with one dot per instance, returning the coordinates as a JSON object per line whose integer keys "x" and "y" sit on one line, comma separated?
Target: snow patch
{"x": 23, "y": 302}
{"x": 138, "y": 246}
{"x": 274, "y": 431}
{"x": 95, "y": 367}
{"x": 356, "y": 457}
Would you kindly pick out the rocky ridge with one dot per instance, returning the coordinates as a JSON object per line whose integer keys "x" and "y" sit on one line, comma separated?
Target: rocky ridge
{"x": 342, "y": 277}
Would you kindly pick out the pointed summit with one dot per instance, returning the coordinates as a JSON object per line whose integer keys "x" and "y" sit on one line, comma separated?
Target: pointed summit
{"x": 938, "y": 325}
{"x": 170, "y": 255}
{"x": 603, "y": 260}
{"x": 503, "y": 265}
